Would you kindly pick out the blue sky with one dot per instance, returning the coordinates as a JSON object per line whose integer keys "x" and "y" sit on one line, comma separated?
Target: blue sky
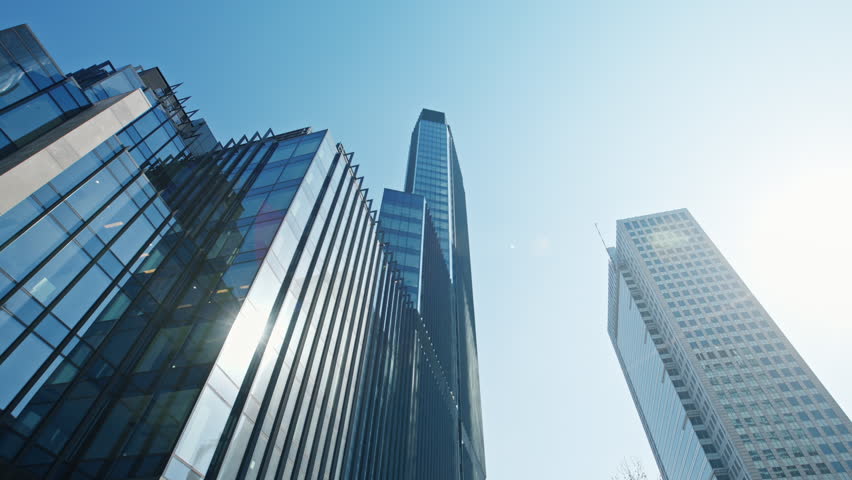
{"x": 564, "y": 114}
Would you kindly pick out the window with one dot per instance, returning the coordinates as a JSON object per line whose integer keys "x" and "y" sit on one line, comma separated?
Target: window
{"x": 20, "y": 366}
{"x": 31, "y": 119}
{"x": 31, "y": 247}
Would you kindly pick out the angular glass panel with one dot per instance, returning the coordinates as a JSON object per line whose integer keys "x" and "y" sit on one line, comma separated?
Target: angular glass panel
{"x": 56, "y": 274}
{"x": 114, "y": 217}
{"x": 66, "y": 217}
{"x": 283, "y": 151}
{"x": 237, "y": 448}
{"x": 25, "y": 122}
{"x": 118, "y": 84}
{"x": 78, "y": 300}
{"x": 51, "y": 330}
{"x": 77, "y": 94}
{"x": 132, "y": 239}
{"x": 259, "y": 236}
{"x": 267, "y": 177}
{"x": 21, "y": 55}
{"x": 203, "y": 430}
{"x": 63, "y": 98}
{"x": 14, "y": 85}
{"x": 15, "y": 219}
{"x": 30, "y": 248}
{"x": 278, "y": 200}
{"x": 38, "y": 52}
{"x": 92, "y": 195}
{"x": 308, "y": 145}
{"x": 295, "y": 170}
{"x": 73, "y": 175}
{"x": 9, "y": 330}
{"x": 20, "y": 366}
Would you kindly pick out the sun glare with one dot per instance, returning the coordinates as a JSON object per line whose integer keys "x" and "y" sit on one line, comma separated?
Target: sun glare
{"x": 799, "y": 234}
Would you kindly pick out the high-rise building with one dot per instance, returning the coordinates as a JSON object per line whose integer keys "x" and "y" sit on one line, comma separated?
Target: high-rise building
{"x": 429, "y": 172}
{"x": 720, "y": 390}
{"x": 434, "y": 175}
{"x": 171, "y": 307}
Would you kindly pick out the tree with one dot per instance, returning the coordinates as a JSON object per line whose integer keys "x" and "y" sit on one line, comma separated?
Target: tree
{"x": 630, "y": 470}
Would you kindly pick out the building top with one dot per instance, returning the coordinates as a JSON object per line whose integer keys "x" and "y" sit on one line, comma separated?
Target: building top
{"x": 678, "y": 212}
{"x": 433, "y": 116}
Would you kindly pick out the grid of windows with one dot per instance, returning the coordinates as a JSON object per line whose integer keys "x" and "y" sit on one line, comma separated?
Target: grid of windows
{"x": 763, "y": 412}
{"x": 34, "y": 94}
{"x": 434, "y": 172}
{"x": 401, "y": 220}
{"x": 432, "y": 177}
{"x": 227, "y": 313}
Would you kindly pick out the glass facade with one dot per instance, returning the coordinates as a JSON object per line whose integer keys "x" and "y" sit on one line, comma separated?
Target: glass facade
{"x": 434, "y": 175}
{"x": 406, "y": 423}
{"x": 34, "y": 94}
{"x": 232, "y": 311}
{"x": 402, "y": 220}
{"x": 122, "y": 277}
{"x": 103, "y": 81}
{"x": 428, "y": 172}
{"x": 683, "y": 323}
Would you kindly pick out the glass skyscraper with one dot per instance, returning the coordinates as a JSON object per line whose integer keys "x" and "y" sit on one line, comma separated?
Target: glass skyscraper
{"x": 434, "y": 201}
{"x": 177, "y": 308}
{"x": 720, "y": 390}
{"x": 429, "y": 172}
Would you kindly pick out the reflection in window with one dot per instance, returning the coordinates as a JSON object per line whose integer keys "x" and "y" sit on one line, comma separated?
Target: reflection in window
{"x": 14, "y": 85}
{"x": 56, "y": 274}
{"x": 203, "y": 430}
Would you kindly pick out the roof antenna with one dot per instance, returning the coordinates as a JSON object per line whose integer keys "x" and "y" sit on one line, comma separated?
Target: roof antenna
{"x": 606, "y": 249}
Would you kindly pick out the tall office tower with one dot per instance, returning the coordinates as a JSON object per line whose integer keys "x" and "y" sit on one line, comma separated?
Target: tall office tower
{"x": 434, "y": 173}
{"x": 407, "y": 421}
{"x": 720, "y": 390}
{"x": 228, "y": 311}
{"x": 429, "y": 173}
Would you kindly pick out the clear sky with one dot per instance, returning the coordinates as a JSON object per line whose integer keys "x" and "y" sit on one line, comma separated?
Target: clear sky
{"x": 564, "y": 114}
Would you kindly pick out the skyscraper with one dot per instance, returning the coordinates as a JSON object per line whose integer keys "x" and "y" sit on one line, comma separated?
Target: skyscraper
{"x": 429, "y": 172}
{"x": 720, "y": 390}
{"x": 177, "y": 308}
{"x": 434, "y": 174}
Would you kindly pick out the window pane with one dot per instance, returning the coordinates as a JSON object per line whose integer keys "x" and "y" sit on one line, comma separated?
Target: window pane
{"x": 114, "y": 217}
{"x": 308, "y": 146}
{"x": 12, "y": 42}
{"x": 14, "y": 85}
{"x": 73, "y": 175}
{"x": 93, "y": 194}
{"x": 295, "y": 170}
{"x": 31, "y": 247}
{"x": 56, "y": 275}
{"x": 20, "y": 366}
{"x": 51, "y": 330}
{"x": 202, "y": 432}
{"x": 30, "y": 119}
{"x": 17, "y": 217}
{"x": 63, "y": 98}
{"x": 76, "y": 302}
{"x": 131, "y": 241}
{"x": 9, "y": 330}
